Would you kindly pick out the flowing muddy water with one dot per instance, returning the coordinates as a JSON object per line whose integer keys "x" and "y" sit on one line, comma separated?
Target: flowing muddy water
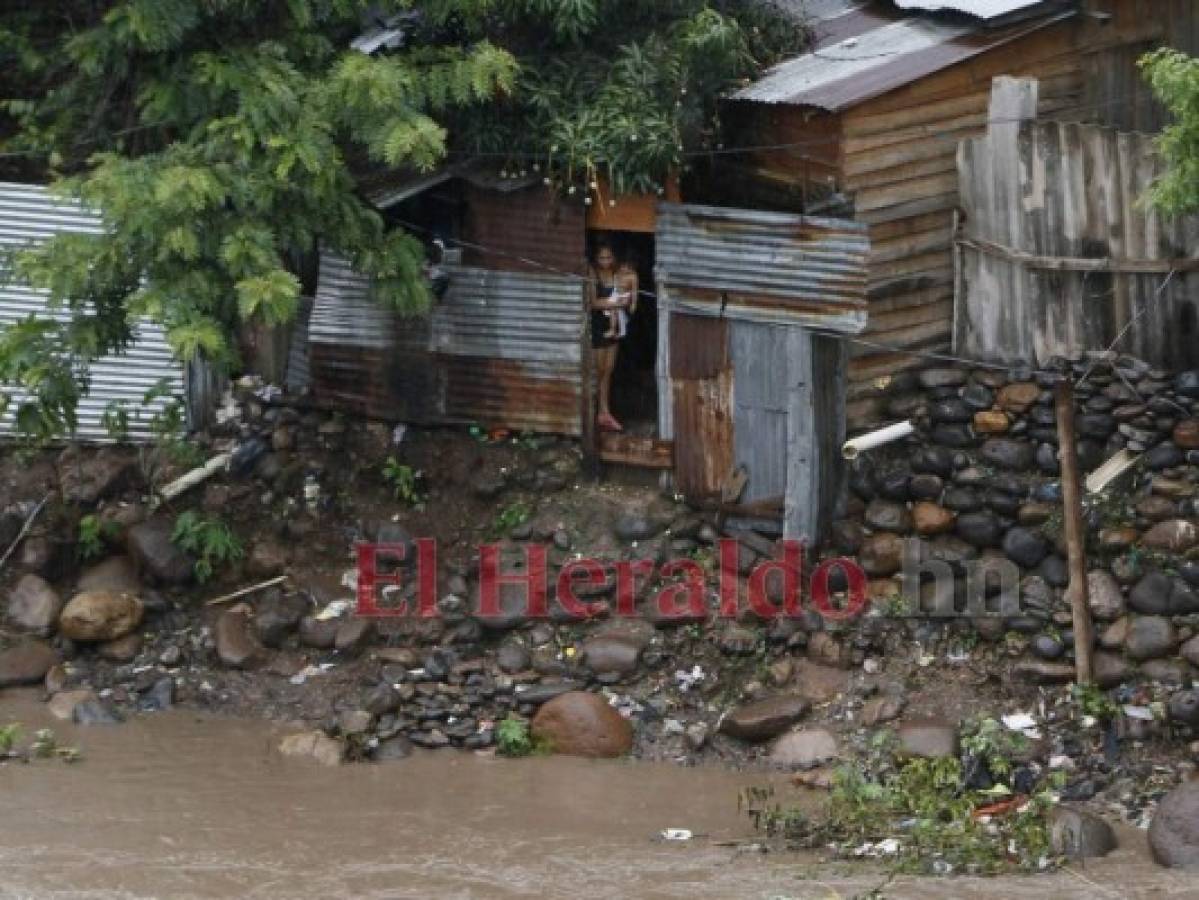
{"x": 183, "y": 805}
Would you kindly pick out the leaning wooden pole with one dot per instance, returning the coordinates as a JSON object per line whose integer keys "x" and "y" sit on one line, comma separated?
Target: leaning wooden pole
{"x": 1084, "y": 640}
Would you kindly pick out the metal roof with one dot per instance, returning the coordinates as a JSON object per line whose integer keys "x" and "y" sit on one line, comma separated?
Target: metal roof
{"x": 29, "y": 215}
{"x": 983, "y": 9}
{"x": 868, "y": 54}
{"x": 763, "y": 266}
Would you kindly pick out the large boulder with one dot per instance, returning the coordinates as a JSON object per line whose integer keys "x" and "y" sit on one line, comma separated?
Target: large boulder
{"x": 34, "y": 605}
{"x": 764, "y": 719}
{"x": 804, "y": 749}
{"x": 26, "y": 663}
{"x": 1150, "y": 637}
{"x": 1078, "y": 834}
{"x": 155, "y": 553}
{"x": 1174, "y": 833}
{"x": 100, "y": 616}
{"x": 578, "y": 723}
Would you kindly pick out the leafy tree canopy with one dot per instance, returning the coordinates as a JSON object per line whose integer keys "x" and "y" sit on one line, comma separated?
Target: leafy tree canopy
{"x": 222, "y": 139}
{"x": 1174, "y": 77}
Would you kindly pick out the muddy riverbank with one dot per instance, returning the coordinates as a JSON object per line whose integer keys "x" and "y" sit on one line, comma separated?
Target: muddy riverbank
{"x": 181, "y": 804}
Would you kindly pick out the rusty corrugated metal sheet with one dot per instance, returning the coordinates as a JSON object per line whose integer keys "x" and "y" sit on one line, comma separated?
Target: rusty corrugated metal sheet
{"x": 500, "y": 348}
{"x": 30, "y": 215}
{"x": 530, "y": 230}
{"x": 891, "y": 55}
{"x": 699, "y": 347}
{"x": 768, "y": 267}
{"x": 703, "y": 442}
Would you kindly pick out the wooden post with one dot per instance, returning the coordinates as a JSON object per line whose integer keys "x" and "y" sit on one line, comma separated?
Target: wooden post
{"x": 1075, "y": 536}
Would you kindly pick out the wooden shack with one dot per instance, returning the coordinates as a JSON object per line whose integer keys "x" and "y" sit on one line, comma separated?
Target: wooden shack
{"x": 868, "y": 123}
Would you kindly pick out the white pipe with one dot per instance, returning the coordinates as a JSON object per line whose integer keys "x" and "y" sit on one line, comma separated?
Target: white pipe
{"x": 872, "y": 439}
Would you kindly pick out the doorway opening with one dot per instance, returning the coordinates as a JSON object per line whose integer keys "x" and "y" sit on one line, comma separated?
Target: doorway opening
{"x": 634, "y": 395}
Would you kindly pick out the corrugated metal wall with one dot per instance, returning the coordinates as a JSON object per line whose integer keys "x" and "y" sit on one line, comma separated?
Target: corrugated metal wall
{"x": 500, "y": 348}
{"x": 1059, "y": 254}
{"x": 765, "y": 266}
{"x": 761, "y": 397}
{"x": 30, "y": 215}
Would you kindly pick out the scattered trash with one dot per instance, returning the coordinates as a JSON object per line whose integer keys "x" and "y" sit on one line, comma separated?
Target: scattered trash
{"x": 1143, "y": 713}
{"x": 397, "y": 434}
{"x": 676, "y": 834}
{"x": 687, "y": 680}
{"x": 309, "y": 671}
{"x": 269, "y": 393}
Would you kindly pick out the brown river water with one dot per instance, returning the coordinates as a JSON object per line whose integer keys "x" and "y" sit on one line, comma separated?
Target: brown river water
{"x": 183, "y": 805}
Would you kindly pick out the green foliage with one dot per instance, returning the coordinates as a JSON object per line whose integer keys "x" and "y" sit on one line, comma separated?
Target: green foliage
{"x": 94, "y": 536}
{"x": 220, "y": 141}
{"x": 1174, "y": 77}
{"x": 510, "y": 516}
{"x": 115, "y": 420}
{"x": 1094, "y": 701}
{"x": 994, "y": 743}
{"x": 922, "y": 805}
{"x": 210, "y": 541}
{"x": 405, "y": 482}
{"x": 513, "y": 738}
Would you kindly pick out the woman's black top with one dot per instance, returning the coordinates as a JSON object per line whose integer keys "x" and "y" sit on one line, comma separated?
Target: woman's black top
{"x": 600, "y": 323}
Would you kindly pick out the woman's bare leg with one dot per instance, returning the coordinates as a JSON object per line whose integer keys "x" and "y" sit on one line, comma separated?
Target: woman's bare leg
{"x": 605, "y": 364}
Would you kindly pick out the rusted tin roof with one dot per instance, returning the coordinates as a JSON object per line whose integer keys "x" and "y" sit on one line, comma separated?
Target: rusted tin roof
{"x": 500, "y": 348}
{"x": 763, "y": 266}
{"x": 866, "y": 53}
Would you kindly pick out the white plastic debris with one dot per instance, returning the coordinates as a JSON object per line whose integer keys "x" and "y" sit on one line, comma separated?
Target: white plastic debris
{"x": 349, "y": 579}
{"x": 1061, "y": 761}
{"x": 687, "y": 680}
{"x": 1139, "y": 712}
{"x": 309, "y": 671}
{"x": 334, "y": 610}
{"x": 397, "y": 435}
{"x": 676, "y": 834}
{"x": 1019, "y": 721}
{"x": 269, "y": 393}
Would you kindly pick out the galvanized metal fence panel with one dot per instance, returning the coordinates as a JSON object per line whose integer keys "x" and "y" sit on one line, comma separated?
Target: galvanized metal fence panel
{"x": 30, "y": 215}
{"x": 1059, "y": 253}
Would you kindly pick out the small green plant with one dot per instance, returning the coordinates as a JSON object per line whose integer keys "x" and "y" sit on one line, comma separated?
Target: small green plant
{"x": 405, "y": 482}
{"x": 45, "y": 745}
{"x": 94, "y": 535}
{"x": 514, "y": 514}
{"x": 512, "y": 737}
{"x": 8, "y": 736}
{"x": 1093, "y": 701}
{"x": 210, "y": 541}
{"x": 994, "y": 743}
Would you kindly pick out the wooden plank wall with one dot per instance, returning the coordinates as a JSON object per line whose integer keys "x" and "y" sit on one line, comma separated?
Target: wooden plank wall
{"x": 898, "y": 165}
{"x": 1115, "y": 89}
{"x": 1068, "y": 194}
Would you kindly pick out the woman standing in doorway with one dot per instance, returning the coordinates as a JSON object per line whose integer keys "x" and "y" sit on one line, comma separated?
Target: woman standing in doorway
{"x": 612, "y": 296}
